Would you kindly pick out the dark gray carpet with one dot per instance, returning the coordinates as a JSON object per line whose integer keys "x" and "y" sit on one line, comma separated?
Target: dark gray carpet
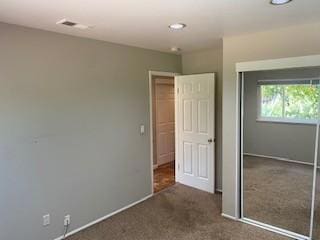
{"x": 279, "y": 193}
{"x": 178, "y": 213}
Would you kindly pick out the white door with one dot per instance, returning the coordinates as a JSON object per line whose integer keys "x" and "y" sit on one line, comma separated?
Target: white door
{"x": 164, "y": 95}
{"x": 195, "y": 130}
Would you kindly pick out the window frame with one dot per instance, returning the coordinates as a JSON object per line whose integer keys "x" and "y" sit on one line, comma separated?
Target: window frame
{"x": 281, "y": 119}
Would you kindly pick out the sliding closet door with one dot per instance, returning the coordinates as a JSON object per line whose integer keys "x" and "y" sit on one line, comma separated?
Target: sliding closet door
{"x": 316, "y": 206}
{"x": 316, "y": 222}
{"x": 279, "y": 131}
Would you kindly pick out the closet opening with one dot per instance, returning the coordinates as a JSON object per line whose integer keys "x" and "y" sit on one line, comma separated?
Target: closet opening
{"x": 279, "y": 142}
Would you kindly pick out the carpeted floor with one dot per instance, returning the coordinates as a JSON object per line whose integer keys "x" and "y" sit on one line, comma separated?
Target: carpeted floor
{"x": 177, "y": 213}
{"x": 278, "y": 193}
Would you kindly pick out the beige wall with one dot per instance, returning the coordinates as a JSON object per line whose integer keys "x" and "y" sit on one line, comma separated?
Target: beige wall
{"x": 70, "y": 141}
{"x": 208, "y": 60}
{"x": 287, "y": 42}
{"x": 203, "y": 61}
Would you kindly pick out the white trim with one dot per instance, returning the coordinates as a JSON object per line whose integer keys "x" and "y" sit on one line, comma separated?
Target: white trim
{"x": 238, "y": 140}
{"x": 176, "y": 129}
{"x": 162, "y": 74}
{"x": 274, "y": 229}
{"x": 219, "y": 190}
{"x": 286, "y": 121}
{"x": 151, "y": 74}
{"x": 315, "y": 166}
{"x": 238, "y": 149}
{"x": 280, "y": 63}
{"x": 104, "y": 218}
{"x": 229, "y": 217}
{"x": 241, "y": 75}
{"x": 278, "y": 158}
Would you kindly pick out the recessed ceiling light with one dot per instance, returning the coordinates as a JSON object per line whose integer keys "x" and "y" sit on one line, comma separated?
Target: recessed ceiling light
{"x": 279, "y": 2}
{"x": 177, "y": 26}
{"x": 175, "y": 49}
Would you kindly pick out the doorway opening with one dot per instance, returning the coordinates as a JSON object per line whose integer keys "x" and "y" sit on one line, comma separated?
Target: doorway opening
{"x": 163, "y": 130}
{"x": 182, "y": 130}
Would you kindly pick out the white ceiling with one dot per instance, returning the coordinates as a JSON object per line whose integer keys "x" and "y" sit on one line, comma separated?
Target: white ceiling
{"x": 144, "y": 23}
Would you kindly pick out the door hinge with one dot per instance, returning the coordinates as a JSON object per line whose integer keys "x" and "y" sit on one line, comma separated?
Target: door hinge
{"x": 178, "y": 90}
{"x": 178, "y": 166}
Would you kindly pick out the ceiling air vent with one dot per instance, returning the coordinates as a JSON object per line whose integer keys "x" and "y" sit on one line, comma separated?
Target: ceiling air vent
{"x": 72, "y": 24}
{"x": 68, "y": 23}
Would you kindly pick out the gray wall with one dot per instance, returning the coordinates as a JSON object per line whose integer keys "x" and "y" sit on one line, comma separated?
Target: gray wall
{"x": 209, "y": 60}
{"x": 285, "y": 140}
{"x": 69, "y": 129}
{"x": 286, "y": 42}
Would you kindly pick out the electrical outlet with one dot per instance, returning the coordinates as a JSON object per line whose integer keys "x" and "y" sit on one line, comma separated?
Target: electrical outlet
{"x": 46, "y": 220}
{"x": 67, "y": 220}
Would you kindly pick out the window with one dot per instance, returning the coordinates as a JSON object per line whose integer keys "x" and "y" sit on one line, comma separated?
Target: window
{"x": 289, "y": 100}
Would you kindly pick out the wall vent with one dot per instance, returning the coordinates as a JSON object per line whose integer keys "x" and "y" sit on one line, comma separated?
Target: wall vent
{"x": 72, "y": 24}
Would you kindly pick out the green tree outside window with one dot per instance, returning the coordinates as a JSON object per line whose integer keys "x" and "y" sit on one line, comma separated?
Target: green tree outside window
{"x": 294, "y": 101}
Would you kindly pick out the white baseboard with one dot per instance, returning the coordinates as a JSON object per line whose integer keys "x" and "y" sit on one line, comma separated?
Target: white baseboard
{"x": 155, "y": 166}
{"x": 278, "y": 158}
{"x": 165, "y": 163}
{"x": 229, "y": 216}
{"x": 218, "y": 190}
{"x": 104, "y": 218}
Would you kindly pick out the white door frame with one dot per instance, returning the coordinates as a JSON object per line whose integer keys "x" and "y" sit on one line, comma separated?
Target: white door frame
{"x": 272, "y": 64}
{"x": 162, "y": 74}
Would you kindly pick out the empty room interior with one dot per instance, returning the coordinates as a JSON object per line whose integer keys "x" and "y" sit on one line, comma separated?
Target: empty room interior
{"x": 157, "y": 120}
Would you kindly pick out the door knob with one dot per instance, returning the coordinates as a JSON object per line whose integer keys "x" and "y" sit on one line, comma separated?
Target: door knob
{"x": 210, "y": 140}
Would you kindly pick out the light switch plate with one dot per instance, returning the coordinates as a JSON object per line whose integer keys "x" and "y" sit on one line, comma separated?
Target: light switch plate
{"x": 46, "y": 220}
{"x": 142, "y": 129}
{"x": 67, "y": 220}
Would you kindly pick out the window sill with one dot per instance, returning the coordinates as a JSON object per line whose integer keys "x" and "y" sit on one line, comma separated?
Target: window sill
{"x": 286, "y": 121}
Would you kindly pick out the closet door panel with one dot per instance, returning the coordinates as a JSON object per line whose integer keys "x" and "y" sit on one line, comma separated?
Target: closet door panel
{"x": 279, "y": 132}
{"x": 316, "y": 218}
